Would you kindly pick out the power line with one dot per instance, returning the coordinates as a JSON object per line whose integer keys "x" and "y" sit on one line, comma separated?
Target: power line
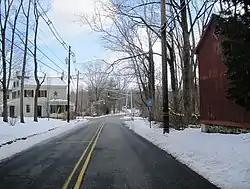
{"x": 49, "y": 48}
{"x": 46, "y": 46}
{"x": 53, "y": 28}
{"x": 31, "y": 55}
{"x": 36, "y": 47}
{"x": 173, "y": 19}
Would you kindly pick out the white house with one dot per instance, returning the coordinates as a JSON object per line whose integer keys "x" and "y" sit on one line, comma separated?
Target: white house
{"x": 52, "y": 97}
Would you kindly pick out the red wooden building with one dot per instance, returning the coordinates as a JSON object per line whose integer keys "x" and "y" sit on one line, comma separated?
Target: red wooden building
{"x": 215, "y": 108}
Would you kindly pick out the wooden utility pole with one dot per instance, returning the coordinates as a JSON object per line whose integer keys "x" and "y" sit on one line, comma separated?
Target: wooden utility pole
{"x": 68, "y": 96}
{"x": 165, "y": 111}
{"x": 131, "y": 104}
{"x": 77, "y": 84}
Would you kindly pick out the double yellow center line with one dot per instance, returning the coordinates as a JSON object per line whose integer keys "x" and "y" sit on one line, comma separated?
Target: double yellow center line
{"x": 80, "y": 177}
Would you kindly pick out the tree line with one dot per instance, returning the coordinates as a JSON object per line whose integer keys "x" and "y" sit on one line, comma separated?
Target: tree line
{"x": 132, "y": 30}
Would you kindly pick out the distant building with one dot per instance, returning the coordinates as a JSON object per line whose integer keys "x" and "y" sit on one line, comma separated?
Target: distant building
{"x": 215, "y": 108}
{"x": 52, "y": 100}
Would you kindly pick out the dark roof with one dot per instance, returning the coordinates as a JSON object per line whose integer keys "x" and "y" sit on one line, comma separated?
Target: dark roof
{"x": 212, "y": 20}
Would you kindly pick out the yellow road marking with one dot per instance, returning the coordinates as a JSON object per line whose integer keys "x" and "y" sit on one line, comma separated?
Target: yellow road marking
{"x": 66, "y": 184}
{"x": 86, "y": 163}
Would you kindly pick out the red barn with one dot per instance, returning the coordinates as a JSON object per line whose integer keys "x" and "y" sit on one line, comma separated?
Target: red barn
{"x": 215, "y": 108}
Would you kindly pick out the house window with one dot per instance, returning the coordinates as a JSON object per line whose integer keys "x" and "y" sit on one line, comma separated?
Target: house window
{"x": 42, "y": 93}
{"x": 17, "y": 83}
{"x": 57, "y": 109}
{"x": 14, "y": 95}
{"x": 18, "y": 94}
{"x": 8, "y": 95}
{"x": 27, "y": 108}
{"x": 14, "y": 84}
{"x": 28, "y": 93}
{"x": 52, "y": 109}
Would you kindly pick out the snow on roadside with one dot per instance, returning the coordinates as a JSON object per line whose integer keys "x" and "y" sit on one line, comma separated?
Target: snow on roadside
{"x": 222, "y": 159}
{"x": 32, "y": 133}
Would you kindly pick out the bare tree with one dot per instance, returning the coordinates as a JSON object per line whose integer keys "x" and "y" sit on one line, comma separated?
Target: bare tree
{"x": 7, "y": 54}
{"x": 27, "y": 16}
{"x": 38, "y": 82}
{"x": 96, "y": 78}
{"x": 124, "y": 36}
{"x": 13, "y": 28}
{"x": 187, "y": 90}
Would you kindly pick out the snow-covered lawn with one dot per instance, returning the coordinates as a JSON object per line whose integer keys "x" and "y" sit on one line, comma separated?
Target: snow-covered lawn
{"x": 222, "y": 159}
{"x": 14, "y": 139}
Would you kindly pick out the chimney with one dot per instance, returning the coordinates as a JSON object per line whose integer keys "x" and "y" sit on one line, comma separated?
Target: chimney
{"x": 18, "y": 74}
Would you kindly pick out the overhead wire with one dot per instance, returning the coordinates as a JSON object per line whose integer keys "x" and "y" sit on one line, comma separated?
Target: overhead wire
{"x": 49, "y": 47}
{"x": 41, "y": 31}
{"x": 31, "y": 55}
{"x": 173, "y": 19}
{"x": 54, "y": 31}
{"x": 53, "y": 28}
{"x": 36, "y": 47}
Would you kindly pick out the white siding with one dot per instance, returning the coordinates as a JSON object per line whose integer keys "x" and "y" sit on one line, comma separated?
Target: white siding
{"x": 59, "y": 88}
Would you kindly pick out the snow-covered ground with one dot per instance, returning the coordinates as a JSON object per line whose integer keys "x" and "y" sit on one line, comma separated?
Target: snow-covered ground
{"x": 222, "y": 159}
{"x": 14, "y": 139}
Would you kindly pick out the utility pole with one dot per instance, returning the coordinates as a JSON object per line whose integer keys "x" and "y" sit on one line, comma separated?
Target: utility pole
{"x": 68, "y": 97}
{"x": 131, "y": 104}
{"x": 165, "y": 111}
{"x": 127, "y": 101}
{"x": 77, "y": 84}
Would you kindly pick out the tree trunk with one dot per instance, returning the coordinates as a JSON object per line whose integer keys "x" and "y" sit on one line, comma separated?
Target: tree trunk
{"x": 38, "y": 84}
{"x": 13, "y": 42}
{"x": 24, "y": 65}
{"x": 35, "y": 103}
{"x": 4, "y": 82}
{"x": 114, "y": 108}
{"x": 3, "y": 24}
{"x": 151, "y": 80}
{"x": 187, "y": 89}
{"x": 173, "y": 75}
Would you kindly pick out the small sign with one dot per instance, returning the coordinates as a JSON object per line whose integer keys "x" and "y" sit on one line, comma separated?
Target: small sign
{"x": 150, "y": 102}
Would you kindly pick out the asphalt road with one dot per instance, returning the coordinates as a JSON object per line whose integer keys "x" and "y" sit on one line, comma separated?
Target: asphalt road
{"x": 103, "y": 154}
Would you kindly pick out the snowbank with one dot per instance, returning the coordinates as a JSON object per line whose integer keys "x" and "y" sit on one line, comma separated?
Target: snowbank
{"x": 222, "y": 159}
{"x": 14, "y": 139}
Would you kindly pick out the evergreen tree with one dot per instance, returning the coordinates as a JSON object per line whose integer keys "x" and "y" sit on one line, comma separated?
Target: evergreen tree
{"x": 234, "y": 26}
